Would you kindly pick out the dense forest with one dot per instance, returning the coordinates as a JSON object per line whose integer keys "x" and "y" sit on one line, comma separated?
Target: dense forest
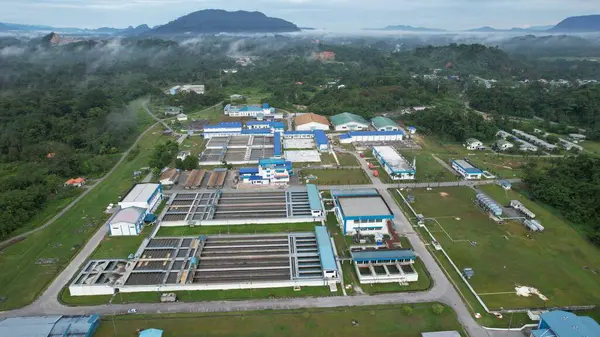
{"x": 577, "y": 105}
{"x": 571, "y": 185}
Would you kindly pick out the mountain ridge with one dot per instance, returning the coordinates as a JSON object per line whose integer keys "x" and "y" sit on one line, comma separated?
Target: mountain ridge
{"x": 578, "y": 24}
{"x": 216, "y": 21}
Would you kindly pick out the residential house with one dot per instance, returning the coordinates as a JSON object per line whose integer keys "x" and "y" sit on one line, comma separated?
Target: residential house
{"x": 473, "y": 144}
{"x": 503, "y": 145}
{"x": 75, "y": 182}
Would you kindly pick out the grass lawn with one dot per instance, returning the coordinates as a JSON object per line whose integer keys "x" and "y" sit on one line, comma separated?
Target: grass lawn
{"x": 326, "y": 159}
{"x": 22, "y": 280}
{"x": 346, "y": 159}
{"x": 591, "y": 146}
{"x": 198, "y": 295}
{"x": 193, "y": 144}
{"x": 238, "y": 229}
{"x": 119, "y": 247}
{"x": 389, "y": 320}
{"x": 337, "y": 176}
{"x": 211, "y": 113}
{"x": 504, "y": 256}
{"x": 428, "y": 169}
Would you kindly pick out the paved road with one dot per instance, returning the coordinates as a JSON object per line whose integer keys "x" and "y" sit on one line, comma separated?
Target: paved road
{"x": 417, "y": 185}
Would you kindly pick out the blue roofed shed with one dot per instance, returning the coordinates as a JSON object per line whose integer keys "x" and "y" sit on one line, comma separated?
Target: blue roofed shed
{"x": 321, "y": 140}
{"x": 314, "y": 198}
{"x": 354, "y": 192}
{"x": 566, "y": 324}
{"x": 277, "y": 145}
{"x": 248, "y": 170}
{"x": 328, "y": 263}
{"x": 49, "y": 326}
{"x": 151, "y": 333}
{"x": 402, "y": 255}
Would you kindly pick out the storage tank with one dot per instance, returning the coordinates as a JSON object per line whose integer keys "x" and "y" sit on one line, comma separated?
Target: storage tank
{"x": 538, "y": 225}
{"x": 489, "y": 204}
{"x": 530, "y": 225}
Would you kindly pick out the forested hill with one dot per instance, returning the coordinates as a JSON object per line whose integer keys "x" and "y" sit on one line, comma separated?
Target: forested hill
{"x": 578, "y": 24}
{"x": 571, "y": 185}
{"x": 220, "y": 21}
{"x": 472, "y": 59}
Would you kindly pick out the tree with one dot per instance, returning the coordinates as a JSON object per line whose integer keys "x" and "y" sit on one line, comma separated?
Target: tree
{"x": 190, "y": 163}
{"x": 437, "y": 309}
{"x": 552, "y": 139}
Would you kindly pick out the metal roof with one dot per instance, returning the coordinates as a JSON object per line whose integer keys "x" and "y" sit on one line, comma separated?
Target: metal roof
{"x": 347, "y": 117}
{"x": 567, "y": 324}
{"x": 354, "y": 192}
{"x": 441, "y": 334}
{"x": 467, "y": 167}
{"x": 392, "y": 159}
{"x": 364, "y": 207}
{"x": 264, "y": 131}
{"x": 297, "y": 132}
{"x": 151, "y": 333}
{"x": 248, "y": 170}
{"x": 141, "y": 193}
{"x": 321, "y": 137}
{"x": 277, "y": 144}
{"x": 48, "y": 326}
{"x": 314, "y": 198}
{"x": 129, "y": 215}
{"x": 224, "y": 125}
{"x": 383, "y": 122}
{"x": 326, "y": 254}
{"x": 383, "y": 254}
{"x": 375, "y": 133}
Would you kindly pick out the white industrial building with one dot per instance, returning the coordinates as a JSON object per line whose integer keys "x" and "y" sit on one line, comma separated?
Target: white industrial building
{"x": 466, "y": 170}
{"x": 127, "y": 221}
{"x": 222, "y": 129}
{"x": 147, "y": 196}
{"x": 347, "y": 121}
{"x": 384, "y": 265}
{"x": 396, "y": 166}
{"x": 196, "y": 88}
{"x": 361, "y": 211}
{"x": 568, "y": 145}
{"x": 371, "y": 136}
{"x": 503, "y": 145}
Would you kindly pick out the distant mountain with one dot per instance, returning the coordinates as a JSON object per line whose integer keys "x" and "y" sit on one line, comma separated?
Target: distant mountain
{"x": 532, "y": 29}
{"x": 220, "y": 21}
{"x": 578, "y": 24}
{"x": 407, "y": 29}
{"x": 134, "y": 31}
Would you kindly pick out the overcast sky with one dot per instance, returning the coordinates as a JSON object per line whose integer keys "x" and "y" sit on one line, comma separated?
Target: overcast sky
{"x": 335, "y": 15}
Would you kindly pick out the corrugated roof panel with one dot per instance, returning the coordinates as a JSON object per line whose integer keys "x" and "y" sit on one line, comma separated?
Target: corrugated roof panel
{"x": 326, "y": 254}
{"x": 277, "y": 144}
{"x": 382, "y": 122}
{"x": 383, "y": 254}
{"x": 321, "y": 138}
{"x": 314, "y": 198}
{"x": 141, "y": 193}
{"x": 347, "y": 117}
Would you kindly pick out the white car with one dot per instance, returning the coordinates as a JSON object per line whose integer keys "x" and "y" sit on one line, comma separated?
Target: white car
{"x": 132, "y": 311}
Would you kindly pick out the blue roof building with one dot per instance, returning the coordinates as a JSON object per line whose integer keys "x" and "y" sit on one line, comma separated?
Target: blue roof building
{"x": 151, "y": 333}
{"x": 269, "y": 171}
{"x": 466, "y": 170}
{"x": 321, "y": 140}
{"x": 314, "y": 199}
{"x": 298, "y": 134}
{"x": 222, "y": 129}
{"x": 256, "y": 132}
{"x": 277, "y": 144}
{"x": 50, "y": 326}
{"x": 326, "y": 254}
{"x": 565, "y": 324}
{"x": 248, "y": 110}
{"x": 381, "y": 255}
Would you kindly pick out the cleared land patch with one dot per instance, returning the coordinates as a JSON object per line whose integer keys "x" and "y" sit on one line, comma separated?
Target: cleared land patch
{"x": 558, "y": 262}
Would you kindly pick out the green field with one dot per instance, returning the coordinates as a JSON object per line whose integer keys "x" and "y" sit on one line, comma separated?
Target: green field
{"x": 337, "y": 176}
{"x": 193, "y": 144}
{"x": 346, "y": 159}
{"x": 428, "y": 169}
{"x": 390, "y": 320}
{"x": 198, "y": 295}
{"x": 119, "y": 247}
{"x": 22, "y": 280}
{"x": 238, "y": 229}
{"x": 504, "y": 256}
{"x": 591, "y": 146}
